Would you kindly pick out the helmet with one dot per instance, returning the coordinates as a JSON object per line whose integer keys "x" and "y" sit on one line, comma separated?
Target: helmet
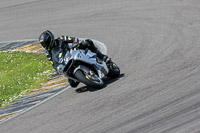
{"x": 47, "y": 39}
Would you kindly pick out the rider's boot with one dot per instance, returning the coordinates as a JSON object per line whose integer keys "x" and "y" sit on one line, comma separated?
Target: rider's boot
{"x": 104, "y": 57}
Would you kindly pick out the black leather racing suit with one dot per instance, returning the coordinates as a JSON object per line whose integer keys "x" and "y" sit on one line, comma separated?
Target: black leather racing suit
{"x": 62, "y": 43}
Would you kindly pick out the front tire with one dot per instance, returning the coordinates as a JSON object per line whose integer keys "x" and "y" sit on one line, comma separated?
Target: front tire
{"x": 73, "y": 83}
{"x": 84, "y": 78}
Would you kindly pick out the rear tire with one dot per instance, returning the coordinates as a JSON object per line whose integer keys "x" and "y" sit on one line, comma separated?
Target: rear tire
{"x": 114, "y": 70}
{"x": 81, "y": 76}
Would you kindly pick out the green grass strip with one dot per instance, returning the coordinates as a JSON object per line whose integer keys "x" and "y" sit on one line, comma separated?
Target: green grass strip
{"x": 20, "y": 72}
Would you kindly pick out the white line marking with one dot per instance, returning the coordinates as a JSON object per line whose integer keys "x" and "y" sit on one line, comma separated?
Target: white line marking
{"x": 34, "y": 106}
{"x": 19, "y": 41}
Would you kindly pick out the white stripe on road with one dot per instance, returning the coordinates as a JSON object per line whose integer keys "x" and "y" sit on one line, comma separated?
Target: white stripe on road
{"x": 25, "y": 40}
{"x": 34, "y": 106}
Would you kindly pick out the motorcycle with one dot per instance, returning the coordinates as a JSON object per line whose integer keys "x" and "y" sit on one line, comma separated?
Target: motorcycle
{"x": 84, "y": 66}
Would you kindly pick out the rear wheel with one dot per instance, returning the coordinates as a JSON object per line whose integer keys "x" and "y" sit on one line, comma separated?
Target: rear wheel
{"x": 90, "y": 79}
{"x": 114, "y": 70}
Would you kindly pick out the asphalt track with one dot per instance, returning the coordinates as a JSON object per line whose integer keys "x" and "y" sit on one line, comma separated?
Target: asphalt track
{"x": 156, "y": 45}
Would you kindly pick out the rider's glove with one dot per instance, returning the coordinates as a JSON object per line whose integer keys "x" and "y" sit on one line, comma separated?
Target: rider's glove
{"x": 60, "y": 68}
{"x": 49, "y": 56}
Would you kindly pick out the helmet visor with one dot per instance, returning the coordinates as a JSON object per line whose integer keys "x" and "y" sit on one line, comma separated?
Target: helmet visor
{"x": 41, "y": 40}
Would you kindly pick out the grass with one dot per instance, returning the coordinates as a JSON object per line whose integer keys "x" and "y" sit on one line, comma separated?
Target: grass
{"x": 20, "y": 72}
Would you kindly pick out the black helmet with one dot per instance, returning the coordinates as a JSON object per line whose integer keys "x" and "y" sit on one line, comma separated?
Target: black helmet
{"x": 47, "y": 39}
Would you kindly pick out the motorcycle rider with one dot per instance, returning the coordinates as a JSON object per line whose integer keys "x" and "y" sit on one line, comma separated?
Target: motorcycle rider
{"x": 55, "y": 46}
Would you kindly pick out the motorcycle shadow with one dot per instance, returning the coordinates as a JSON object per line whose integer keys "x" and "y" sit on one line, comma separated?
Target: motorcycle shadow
{"x": 106, "y": 80}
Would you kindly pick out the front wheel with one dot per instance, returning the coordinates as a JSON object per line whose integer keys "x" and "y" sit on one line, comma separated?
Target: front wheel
{"x": 90, "y": 79}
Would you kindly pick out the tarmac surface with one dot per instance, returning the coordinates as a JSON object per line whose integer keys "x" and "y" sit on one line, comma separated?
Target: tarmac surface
{"x": 156, "y": 45}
